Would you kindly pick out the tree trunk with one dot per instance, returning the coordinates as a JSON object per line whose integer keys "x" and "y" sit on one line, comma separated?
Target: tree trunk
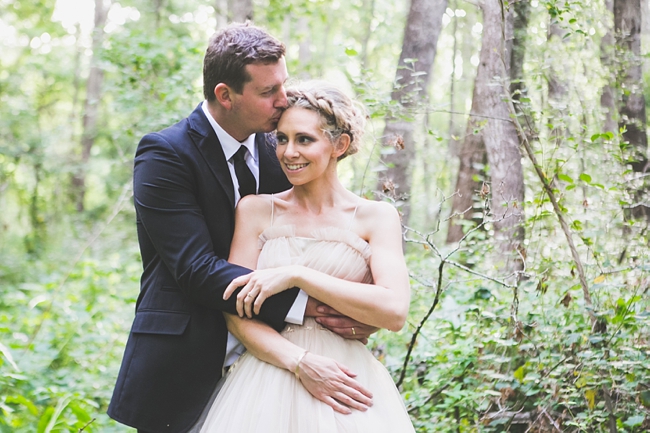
{"x": 518, "y": 54}
{"x": 470, "y": 190}
{"x": 453, "y": 145}
{"x": 369, "y": 8}
{"x": 304, "y": 45}
{"x": 632, "y": 114}
{"x": 607, "y": 58}
{"x": 557, "y": 87}
{"x": 91, "y": 105}
{"x": 421, "y": 33}
{"x": 473, "y": 158}
{"x": 240, "y": 10}
{"x": 499, "y": 133}
{"x": 221, "y": 13}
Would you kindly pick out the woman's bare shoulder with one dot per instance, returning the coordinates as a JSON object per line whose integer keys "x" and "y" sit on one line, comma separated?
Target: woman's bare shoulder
{"x": 253, "y": 202}
{"x": 254, "y": 211}
{"x": 376, "y": 218}
{"x": 376, "y": 210}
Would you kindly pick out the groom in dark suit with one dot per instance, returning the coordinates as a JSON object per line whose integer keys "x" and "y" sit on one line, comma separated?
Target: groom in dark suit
{"x": 187, "y": 180}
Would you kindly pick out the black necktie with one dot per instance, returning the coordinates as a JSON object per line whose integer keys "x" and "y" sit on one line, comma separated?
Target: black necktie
{"x": 247, "y": 184}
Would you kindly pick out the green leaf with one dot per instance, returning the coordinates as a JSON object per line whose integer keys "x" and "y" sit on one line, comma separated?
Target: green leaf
{"x": 45, "y": 418}
{"x": 565, "y": 178}
{"x": 577, "y": 225}
{"x": 634, "y": 421}
{"x": 4, "y": 350}
{"x": 351, "y": 52}
{"x": 585, "y": 178}
{"x": 520, "y": 373}
{"x": 19, "y": 399}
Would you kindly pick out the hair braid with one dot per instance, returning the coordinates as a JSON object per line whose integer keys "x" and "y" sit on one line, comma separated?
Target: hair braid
{"x": 339, "y": 113}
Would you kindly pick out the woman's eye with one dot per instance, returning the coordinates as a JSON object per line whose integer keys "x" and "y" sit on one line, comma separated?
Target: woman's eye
{"x": 304, "y": 140}
{"x": 281, "y": 139}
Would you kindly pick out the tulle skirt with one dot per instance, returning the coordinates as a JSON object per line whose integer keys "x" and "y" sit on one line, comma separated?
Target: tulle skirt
{"x": 260, "y": 398}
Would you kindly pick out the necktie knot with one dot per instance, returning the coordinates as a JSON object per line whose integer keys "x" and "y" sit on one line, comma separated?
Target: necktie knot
{"x": 247, "y": 183}
{"x": 240, "y": 155}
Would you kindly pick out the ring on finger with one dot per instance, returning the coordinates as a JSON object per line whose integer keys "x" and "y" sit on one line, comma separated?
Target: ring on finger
{"x": 353, "y": 331}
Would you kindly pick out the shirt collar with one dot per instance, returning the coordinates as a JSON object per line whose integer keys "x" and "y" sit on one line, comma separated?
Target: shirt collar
{"x": 229, "y": 144}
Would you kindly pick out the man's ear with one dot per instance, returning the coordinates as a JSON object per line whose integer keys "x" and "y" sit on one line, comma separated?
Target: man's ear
{"x": 222, "y": 93}
{"x": 342, "y": 145}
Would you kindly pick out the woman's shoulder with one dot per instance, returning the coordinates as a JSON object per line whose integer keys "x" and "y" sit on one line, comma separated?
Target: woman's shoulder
{"x": 254, "y": 202}
{"x": 377, "y": 218}
{"x": 255, "y": 211}
{"x": 375, "y": 210}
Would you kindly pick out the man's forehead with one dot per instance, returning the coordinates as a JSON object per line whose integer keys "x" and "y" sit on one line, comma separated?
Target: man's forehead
{"x": 267, "y": 74}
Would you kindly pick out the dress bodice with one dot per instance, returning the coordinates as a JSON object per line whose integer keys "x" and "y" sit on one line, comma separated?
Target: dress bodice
{"x": 331, "y": 250}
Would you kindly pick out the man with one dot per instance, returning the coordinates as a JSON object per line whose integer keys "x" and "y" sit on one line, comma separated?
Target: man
{"x": 187, "y": 180}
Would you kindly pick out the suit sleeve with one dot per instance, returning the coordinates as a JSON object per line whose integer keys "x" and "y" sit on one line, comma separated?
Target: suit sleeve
{"x": 165, "y": 197}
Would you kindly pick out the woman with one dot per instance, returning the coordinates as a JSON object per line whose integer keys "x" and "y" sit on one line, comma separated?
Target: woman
{"x": 340, "y": 249}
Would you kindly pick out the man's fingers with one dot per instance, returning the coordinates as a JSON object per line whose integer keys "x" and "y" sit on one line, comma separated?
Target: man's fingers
{"x": 347, "y": 328}
{"x": 348, "y": 333}
{"x": 336, "y": 321}
{"x": 327, "y": 310}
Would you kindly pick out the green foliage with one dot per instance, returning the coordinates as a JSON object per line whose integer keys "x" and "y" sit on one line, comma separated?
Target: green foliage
{"x": 494, "y": 358}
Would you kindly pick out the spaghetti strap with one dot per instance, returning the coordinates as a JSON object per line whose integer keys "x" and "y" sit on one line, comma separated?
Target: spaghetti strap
{"x": 272, "y": 208}
{"x": 353, "y": 215}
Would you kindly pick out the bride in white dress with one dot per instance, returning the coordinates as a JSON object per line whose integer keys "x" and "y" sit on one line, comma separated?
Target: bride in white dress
{"x": 340, "y": 249}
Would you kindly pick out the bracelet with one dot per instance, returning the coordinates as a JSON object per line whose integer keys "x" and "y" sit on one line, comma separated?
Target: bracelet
{"x": 298, "y": 364}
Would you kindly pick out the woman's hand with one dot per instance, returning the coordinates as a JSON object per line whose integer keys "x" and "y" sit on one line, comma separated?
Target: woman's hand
{"x": 333, "y": 384}
{"x": 260, "y": 285}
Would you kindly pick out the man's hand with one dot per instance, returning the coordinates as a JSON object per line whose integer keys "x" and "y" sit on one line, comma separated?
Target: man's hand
{"x": 339, "y": 324}
{"x": 333, "y": 384}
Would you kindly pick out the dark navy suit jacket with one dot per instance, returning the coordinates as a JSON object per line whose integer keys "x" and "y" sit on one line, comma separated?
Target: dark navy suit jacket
{"x": 184, "y": 201}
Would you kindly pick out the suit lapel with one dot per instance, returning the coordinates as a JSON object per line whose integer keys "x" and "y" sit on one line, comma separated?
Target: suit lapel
{"x": 208, "y": 144}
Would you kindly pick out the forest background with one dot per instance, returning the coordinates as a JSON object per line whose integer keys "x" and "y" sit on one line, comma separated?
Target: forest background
{"x": 510, "y": 135}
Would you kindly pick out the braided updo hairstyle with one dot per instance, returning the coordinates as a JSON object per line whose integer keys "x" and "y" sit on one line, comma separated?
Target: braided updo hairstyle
{"x": 339, "y": 114}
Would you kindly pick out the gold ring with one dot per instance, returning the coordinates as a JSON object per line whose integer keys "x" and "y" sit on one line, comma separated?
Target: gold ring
{"x": 353, "y": 331}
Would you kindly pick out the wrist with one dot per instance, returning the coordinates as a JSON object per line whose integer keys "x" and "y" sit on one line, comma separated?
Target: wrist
{"x": 296, "y": 277}
{"x": 296, "y": 370}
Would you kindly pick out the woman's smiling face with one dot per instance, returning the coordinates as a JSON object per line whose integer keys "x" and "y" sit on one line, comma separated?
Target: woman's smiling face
{"x": 305, "y": 152}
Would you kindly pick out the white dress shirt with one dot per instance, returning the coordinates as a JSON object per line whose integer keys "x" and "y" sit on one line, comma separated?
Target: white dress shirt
{"x": 230, "y": 146}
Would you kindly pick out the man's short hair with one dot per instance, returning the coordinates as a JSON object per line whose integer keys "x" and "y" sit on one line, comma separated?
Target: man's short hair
{"x": 230, "y": 50}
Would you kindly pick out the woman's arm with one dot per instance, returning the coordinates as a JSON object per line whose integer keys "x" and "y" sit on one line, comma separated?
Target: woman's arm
{"x": 384, "y": 303}
{"x": 324, "y": 378}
